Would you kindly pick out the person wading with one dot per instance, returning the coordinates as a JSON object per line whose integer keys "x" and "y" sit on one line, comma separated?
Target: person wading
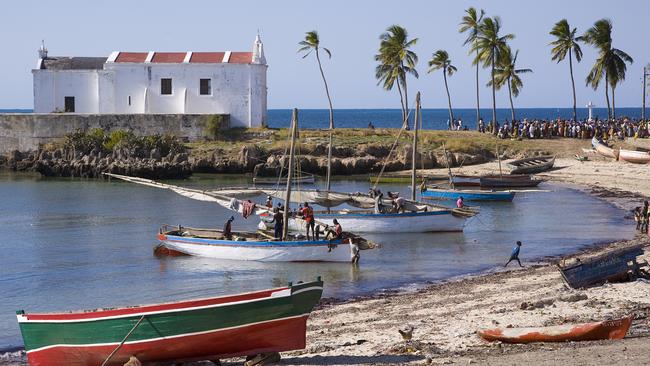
{"x": 515, "y": 254}
{"x": 227, "y": 228}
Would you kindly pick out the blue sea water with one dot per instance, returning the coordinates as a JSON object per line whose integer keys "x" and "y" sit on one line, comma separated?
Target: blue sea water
{"x": 432, "y": 119}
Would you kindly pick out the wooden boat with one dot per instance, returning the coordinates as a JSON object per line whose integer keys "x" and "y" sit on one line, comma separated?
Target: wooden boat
{"x": 466, "y": 180}
{"x": 610, "y": 266}
{"x": 271, "y": 320}
{"x": 303, "y": 179}
{"x": 468, "y": 195}
{"x": 604, "y": 150}
{"x": 636, "y": 157}
{"x": 509, "y": 181}
{"x": 608, "y": 329}
{"x": 255, "y": 246}
{"x": 533, "y": 165}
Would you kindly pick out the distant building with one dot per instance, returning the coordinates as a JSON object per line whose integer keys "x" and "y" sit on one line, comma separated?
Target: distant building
{"x": 228, "y": 82}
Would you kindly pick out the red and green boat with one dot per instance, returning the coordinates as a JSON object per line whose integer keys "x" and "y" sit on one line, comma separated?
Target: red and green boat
{"x": 205, "y": 329}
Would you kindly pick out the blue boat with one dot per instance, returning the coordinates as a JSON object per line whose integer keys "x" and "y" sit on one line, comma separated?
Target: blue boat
{"x": 468, "y": 195}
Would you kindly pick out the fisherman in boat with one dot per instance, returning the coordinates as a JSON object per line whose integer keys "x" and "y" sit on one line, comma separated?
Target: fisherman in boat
{"x": 336, "y": 232}
{"x": 269, "y": 202}
{"x": 398, "y": 202}
{"x": 227, "y": 228}
{"x": 460, "y": 203}
{"x": 515, "y": 254}
{"x": 423, "y": 185}
{"x": 308, "y": 216}
{"x": 278, "y": 219}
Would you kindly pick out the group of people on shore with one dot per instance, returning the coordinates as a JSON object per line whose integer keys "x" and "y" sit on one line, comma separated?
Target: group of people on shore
{"x": 585, "y": 129}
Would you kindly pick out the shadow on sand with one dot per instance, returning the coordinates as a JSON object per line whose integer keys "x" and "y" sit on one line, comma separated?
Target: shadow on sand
{"x": 350, "y": 360}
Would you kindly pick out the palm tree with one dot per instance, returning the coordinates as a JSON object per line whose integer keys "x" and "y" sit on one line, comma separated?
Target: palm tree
{"x": 312, "y": 43}
{"x": 440, "y": 61}
{"x": 610, "y": 63}
{"x": 489, "y": 47}
{"x": 470, "y": 23}
{"x": 396, "y": 62}
{"x": 507, "y": 73}
{"x": 566, "y": 42}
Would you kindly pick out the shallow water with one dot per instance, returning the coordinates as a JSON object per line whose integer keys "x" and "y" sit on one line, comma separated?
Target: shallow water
{"x": 80, "y": 244}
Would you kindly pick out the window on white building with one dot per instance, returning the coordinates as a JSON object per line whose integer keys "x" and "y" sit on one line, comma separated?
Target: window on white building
{"x": 205, "y": 86}
{"x": 129, "y": 100}
{"x": 68, "y": 104}
{"x": 166, "y": 86}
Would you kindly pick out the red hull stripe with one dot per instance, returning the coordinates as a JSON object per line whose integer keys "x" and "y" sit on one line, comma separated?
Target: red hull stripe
{"x": 145, "y": 309}
{"x": 270, "y": 336}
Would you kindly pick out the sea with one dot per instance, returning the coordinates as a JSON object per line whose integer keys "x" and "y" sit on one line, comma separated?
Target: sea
{"x": 432, "y": 119}
{"x": 71, "y": 244}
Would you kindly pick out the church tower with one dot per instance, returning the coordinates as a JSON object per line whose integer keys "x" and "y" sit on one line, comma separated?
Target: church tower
{"x": 258, "y": 51}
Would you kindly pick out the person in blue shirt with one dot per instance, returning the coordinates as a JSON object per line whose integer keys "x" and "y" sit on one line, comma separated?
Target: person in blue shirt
{"x": 515, "y": 254}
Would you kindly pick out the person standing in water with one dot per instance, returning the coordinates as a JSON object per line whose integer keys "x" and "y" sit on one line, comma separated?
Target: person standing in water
{"x": 227, "y": 228}
{"x": 515, "y": 254}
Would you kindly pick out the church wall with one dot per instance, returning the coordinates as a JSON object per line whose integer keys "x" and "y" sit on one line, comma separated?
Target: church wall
{"x": 51, "y": 87}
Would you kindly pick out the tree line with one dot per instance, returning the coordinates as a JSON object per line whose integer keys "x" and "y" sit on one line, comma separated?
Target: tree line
{"x": 490, "y": 48}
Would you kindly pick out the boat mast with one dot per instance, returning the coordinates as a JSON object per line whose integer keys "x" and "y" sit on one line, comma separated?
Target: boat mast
{"x": 415, "y": 145}
{"x": 451, "y": 177}
{"x": 499, "y": 159}
{"x": 287, "y": 197}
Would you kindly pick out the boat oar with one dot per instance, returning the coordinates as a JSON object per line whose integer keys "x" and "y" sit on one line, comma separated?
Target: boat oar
{"x": 122, "y": 343}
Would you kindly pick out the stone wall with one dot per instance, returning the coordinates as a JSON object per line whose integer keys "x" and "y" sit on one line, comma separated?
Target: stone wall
{"x": 26, "y": 131}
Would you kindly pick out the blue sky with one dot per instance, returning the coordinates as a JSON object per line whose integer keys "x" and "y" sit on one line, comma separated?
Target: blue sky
{"x": 349, "y": 28}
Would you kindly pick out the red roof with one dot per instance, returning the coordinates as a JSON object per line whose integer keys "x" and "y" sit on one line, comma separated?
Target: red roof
{"x": 168, "y": 57}
{"x": 207, "y": 57}
{"x": 131, "y": 57}
{"x": 241, "y": 58}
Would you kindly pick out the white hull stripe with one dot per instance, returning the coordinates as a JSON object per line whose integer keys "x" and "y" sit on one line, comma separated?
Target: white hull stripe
{"x": 22, "y": 318}
{"x": 164, "y": 338}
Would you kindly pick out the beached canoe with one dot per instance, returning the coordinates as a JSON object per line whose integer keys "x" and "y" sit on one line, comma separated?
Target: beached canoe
{"x": 636, "y": 157}
{"x": 533, "y": 165}
{"x": 466, "y": 180}
{"x": 609, "y": 329}
{"x": 604, "y": 150}
{"x": 510, "y": 181}
{"x": 468, "y": 195}
{"x": 610, "y": 266}
{"x": 246, "y": 246}
{"x": 304, "y": 179}
{"x": 272, "y": 320}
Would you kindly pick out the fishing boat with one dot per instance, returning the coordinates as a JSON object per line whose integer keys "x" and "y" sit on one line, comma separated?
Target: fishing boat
{"x": 466, "y": 180}
{"x": 468, "y": 195}
{"x": 611, "y": 266}
{"x": 603, "y": 149}
{"x": 258, "y": 246}
{"x": 636, "y": 157}
{"x": 608, "y": 329}
{"x": 304, "y": 178}
{"x": 533, "y": 165}
{"x": 251, "y": 323}
{"x": 509, "y": 181}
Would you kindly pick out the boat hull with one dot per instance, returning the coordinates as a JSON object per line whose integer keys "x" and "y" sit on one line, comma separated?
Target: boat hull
{"x": 531, "y": 165}
{"x": 604, "y": 150}
{"x": 271, "y": 180}
{"x": 248, "y": 324}
{"x": 610, "y": 329}
{"x": 299, "y": 251}
{"x": 475, "y": 195}
{"x": 416, "y": 222}
{"x": 635, "y": 157}
{"x": 509, "y": 181}
{"x": 466, "y": 181}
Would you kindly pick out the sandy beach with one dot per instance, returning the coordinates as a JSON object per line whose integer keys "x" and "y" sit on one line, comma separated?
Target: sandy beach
{"x": 446, "y": 316}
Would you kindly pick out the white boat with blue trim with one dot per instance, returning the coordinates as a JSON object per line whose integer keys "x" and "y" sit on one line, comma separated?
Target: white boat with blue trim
{"x": 249, "y": 246}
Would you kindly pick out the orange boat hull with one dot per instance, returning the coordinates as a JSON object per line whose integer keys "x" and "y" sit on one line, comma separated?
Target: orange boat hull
{"x": 609, "y": 329}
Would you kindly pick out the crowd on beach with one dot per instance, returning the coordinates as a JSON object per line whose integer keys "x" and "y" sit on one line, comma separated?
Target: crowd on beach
{"x": 620, "y": 128}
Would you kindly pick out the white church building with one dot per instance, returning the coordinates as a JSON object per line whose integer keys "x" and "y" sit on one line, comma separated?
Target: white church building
{"x": 227, "y": 82}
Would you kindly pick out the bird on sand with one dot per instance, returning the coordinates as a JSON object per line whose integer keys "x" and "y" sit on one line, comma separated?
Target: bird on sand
{"x": 406, "y": 332}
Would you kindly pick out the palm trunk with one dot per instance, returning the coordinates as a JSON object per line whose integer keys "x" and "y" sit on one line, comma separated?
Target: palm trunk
{"x": 573, "y": 85}
{"x": 478, "y": 106}
{"x": 613, "y": 102}
{"x": 609, "y": 109}
{"x": 406, "y": 104}
{"x": 494, "y": 102}
{"x": 512, "y": 106}
{"x": 451, "y": 112}
{"x": 401, "y": 101}
{"x": 329, "y": 99}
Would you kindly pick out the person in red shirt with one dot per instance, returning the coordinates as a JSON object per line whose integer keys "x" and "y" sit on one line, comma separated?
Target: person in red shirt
{"x": 308, "y": 216}
{"x": 338, "y": 230}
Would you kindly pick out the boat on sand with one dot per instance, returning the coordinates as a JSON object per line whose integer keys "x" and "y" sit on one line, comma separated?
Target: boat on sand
{"x": 603, "y": 149}
{"x": 532, "y": 165}
{"x": 608, "y": 329}
{"x": 247, "y": 324}
{"x": 636, "y": 157}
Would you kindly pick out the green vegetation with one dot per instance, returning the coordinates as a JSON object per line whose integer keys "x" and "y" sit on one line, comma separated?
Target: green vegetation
{"x": 507, "y": 73}
{"x": 565, "y": 42}
{"x": 440, "y": 61}
{"x": 215, "y": 125}
{"x": 98, "y": 140}
{"x": 471, "y": 23}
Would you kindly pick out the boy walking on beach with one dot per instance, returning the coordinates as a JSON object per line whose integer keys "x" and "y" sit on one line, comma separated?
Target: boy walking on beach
{"x": 515, "y": 254}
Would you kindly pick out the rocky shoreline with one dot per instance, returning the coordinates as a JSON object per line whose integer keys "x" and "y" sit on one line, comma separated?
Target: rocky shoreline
{"x": 251, "y": 159}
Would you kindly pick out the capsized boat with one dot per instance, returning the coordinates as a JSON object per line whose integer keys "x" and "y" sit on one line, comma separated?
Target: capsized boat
{"x": 636, "y": 157}
{"x": 603, "y": 149}
{"x": 272, "y": 320}
{"x": 258, "y": 246}
{"x": 608, "y": 329}
{"x": 468, "y": 195}
{"x": 532, "y": 165}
